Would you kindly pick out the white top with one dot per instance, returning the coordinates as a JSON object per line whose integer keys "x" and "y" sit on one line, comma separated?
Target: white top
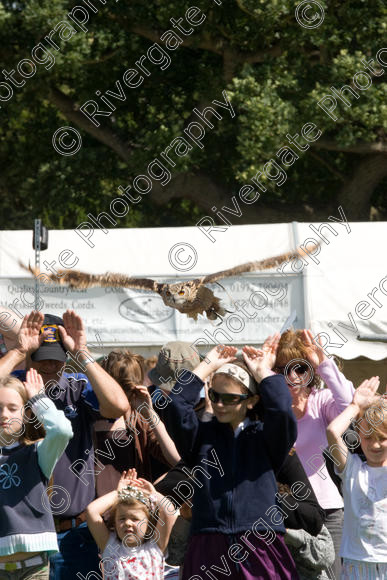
{"x": 145, "y": 562}
{"x": 365, "y": 511}
{"x": 242, "y": 425}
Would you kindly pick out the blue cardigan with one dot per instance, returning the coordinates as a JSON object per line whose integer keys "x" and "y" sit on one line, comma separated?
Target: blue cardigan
{"x": 234, "y": 482}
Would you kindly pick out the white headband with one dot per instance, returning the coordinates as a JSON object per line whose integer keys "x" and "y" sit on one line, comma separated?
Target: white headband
{"x": 238, "y": 374}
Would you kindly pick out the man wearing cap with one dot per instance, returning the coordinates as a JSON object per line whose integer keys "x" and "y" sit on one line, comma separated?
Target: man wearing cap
{"x": 44, "y": 342}
{"x": 174, "y": 357}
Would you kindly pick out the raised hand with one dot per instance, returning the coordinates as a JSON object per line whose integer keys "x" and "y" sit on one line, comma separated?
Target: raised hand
{"x": 146, "y": 485}
{"x": 314, "y": 351}
{"x": 365, "y": 394}
{"x": 73, "y": 333}
{"x": 269, "y": 348}
{"x": 256, "y": 362}
{"x": 207, "y": 402}
{"x": 34, "y": 383}
{"x": 215, "y": 358}
{"x": 128, "y": 477}
{"x": 29, "y": 337}
{"x": 220, "y": 355}
{"x": 138, "y": 396}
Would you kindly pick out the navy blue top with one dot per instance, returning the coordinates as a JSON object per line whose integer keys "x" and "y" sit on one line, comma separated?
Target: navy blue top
{"x": 24, "y": 505}
{"x": 234, "y": 477}
{"x": 73, "y": 475}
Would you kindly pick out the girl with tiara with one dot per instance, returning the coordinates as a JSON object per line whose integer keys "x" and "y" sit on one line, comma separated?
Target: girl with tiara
{"x": 136, "y": 534}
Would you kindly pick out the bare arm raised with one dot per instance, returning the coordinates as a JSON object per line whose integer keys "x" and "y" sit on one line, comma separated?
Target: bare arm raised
{"x": 363, "y": 397}
{"x": 112, "y": 399}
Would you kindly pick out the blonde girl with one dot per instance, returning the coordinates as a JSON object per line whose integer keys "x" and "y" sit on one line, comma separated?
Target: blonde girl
{"x": 134, "y": 538}
{"x": 364, "y": 541}
{"x": 27, "y": 531}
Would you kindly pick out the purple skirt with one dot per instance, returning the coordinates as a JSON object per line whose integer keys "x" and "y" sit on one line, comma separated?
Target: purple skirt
{"x": 219, "y": 556}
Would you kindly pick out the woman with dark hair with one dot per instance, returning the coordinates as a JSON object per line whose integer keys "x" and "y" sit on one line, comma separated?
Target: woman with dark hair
{"x": 133, "y": 439}
{"x": 306, "y": 367}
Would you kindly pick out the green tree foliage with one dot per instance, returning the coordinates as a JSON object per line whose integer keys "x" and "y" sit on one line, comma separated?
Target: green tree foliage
{"x": 274, "y": 70}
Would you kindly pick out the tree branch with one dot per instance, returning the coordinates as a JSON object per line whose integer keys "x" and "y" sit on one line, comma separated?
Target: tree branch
{"x": 377, "y": 147}
{"x": 103, "y": 134}
{"x": 216, "y": 45}
{"x": 242, "y": 7}
{"x": 356, "y": 193}
{"x": 207, "y": 193}
{"x": 327, "y": 165}
{"x": 260, "y": 55}
{"x": 103, "y": 58}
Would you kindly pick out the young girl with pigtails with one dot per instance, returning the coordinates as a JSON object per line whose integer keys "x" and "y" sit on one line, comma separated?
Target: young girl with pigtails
{"x": 236, "y": 528}
{"x": 136, "y": 534}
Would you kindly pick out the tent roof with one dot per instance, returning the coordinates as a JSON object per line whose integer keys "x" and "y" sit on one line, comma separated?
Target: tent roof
{"x": 350, "y": 266}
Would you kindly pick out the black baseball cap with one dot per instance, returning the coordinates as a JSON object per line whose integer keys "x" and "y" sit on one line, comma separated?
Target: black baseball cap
{"x": 52, "y": 347}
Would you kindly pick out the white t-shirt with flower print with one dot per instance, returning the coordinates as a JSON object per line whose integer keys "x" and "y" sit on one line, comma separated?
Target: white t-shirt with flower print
{"x": 144, "y": 562}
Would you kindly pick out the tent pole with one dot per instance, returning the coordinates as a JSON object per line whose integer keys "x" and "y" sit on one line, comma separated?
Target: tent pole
{"x": 306, "y": 322}
{"x": 37, "y": 228}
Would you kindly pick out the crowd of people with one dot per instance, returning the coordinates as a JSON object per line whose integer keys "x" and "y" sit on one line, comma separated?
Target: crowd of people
{"x": 264, "y": 463}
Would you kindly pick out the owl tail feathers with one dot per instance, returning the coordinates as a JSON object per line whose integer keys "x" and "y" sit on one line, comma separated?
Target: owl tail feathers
{"x": 215, "y": 310}
{"x": 210, "y": 306}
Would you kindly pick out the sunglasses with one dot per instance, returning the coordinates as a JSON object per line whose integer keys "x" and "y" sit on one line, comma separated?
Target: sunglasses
{"x": 299, "y": 369}
{"x": 226, "y": 398}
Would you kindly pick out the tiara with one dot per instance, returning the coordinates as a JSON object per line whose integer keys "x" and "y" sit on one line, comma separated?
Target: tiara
{"x": 131, "y": 492}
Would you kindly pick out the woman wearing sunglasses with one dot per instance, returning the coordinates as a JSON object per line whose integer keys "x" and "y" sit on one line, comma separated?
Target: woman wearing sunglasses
{"x": 306, "y": 367}
{"x": 237, "y": 529}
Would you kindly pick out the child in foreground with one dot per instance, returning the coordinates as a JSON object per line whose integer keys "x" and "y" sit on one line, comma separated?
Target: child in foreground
{"x": 136, "y": 535}
{"x": 28, "y": 455}
{"x": 364, "y": 542}
{"x": 237, "y": 529}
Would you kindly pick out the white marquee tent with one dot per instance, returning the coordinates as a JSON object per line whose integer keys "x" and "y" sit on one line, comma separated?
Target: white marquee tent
{"x": 341, "y": 291}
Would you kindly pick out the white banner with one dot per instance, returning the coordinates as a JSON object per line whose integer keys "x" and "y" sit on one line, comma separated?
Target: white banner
{"x": 259, "y": 305}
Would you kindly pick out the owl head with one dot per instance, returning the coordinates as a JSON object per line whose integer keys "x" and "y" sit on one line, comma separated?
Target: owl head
{"x": 192, "y": 298}
{"x": 179, "y": 295}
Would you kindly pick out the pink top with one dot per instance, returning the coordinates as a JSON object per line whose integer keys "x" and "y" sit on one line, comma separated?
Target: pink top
{"x": 322, "y": 407}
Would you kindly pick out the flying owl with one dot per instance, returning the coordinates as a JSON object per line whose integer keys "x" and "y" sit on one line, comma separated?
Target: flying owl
{"x": 190, "y": 297}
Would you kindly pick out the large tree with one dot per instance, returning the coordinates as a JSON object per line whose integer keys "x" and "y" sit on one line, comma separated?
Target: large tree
{"x": 274, "y": 70}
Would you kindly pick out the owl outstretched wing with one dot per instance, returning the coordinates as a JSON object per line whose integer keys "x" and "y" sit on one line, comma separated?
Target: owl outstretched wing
{"x": 77, "y": 279}
{"x": 265, "y": 264}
